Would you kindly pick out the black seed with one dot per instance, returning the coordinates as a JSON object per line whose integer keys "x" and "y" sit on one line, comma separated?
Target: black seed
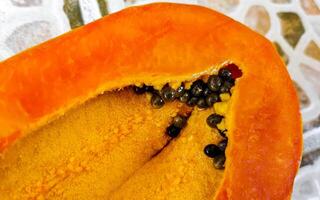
{"x": 157, "y": 101}
{"x": 139, "y": 90}
{"x": 149, "y": 88}
{"x": 168, "y": 93}
{"x": 219, "y": 161}
{"x": 180, "y": 90}
{"x": 173, "y": 131}
{"x": 202, "y": 103}
{"x": 222, "y": 132}
{"x": 179, "y": 121}
{"x": 212, "y": 150}
{"x": 211, "y": 99}
{"x": 185, "y": 97}
{"x": 224, "y": 89}
{"x": 213, "y": 120}
{"x": 226, "y": 86}
{"x": 223, "y": 144}
{"x": 192, "y": 101}
{"x": 206, "y": 91}
{"x": 225, "y": 74}
{"x": 214, "y": 83}
{"x": 197, "y": 88}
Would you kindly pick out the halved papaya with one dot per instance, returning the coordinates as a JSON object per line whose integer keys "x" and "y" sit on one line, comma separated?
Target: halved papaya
{"x": 163, "y": 101}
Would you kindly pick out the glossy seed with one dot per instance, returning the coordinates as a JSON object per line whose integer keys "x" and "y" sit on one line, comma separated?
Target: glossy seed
{"x": 219, "y": 161}
{"x": 168, "y": 93}
{"x": 139, "y": 90}
{"x": 206, "y": 91}
{"x": 212, "y": 150}
{"x": 179, "y": 121}
{"x": 185, "y": 97}
{"x": 173, "y": 131}
{"x": 214, "y": 83}
{"x": 222, "y": 133}
{"x": 157, "y": 101}
{"x": 192, "y": 101}
{"x": 202, "y": 103}
{"x": 225, "y": 74}
{"x": 149, "y": 88}
{"x": 197, "y": 88}
{"x": 180, "y": 90}
{"x": 213, "y": 120}
{"x": 223, "y": 144}
{"x": 226, "y": 86}
{"x": 211, "y": 99}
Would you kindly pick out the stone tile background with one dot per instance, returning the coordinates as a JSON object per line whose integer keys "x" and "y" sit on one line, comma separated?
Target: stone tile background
{"x": 292, "y": 25}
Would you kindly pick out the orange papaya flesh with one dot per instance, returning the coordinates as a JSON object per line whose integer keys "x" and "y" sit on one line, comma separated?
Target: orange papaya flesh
{"x": 175, "y": 43}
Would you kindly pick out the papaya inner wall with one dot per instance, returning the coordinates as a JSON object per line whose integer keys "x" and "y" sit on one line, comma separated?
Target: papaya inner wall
{"x": 96, "y": 149}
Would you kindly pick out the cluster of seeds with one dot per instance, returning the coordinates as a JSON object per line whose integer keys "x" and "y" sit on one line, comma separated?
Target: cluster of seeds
{"x": 203, "y": 94}
{"x": 217, "y": 151}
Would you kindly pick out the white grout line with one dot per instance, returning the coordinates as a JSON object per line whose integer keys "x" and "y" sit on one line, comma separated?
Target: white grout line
{"x": 115, "y": 5}
{"x": 311, "y": 140}
{"x": 89, "y": 10}
{"x": 61, "y": 20}
{"x": 316, "y": 183}
{"x": 171, "y": 1}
